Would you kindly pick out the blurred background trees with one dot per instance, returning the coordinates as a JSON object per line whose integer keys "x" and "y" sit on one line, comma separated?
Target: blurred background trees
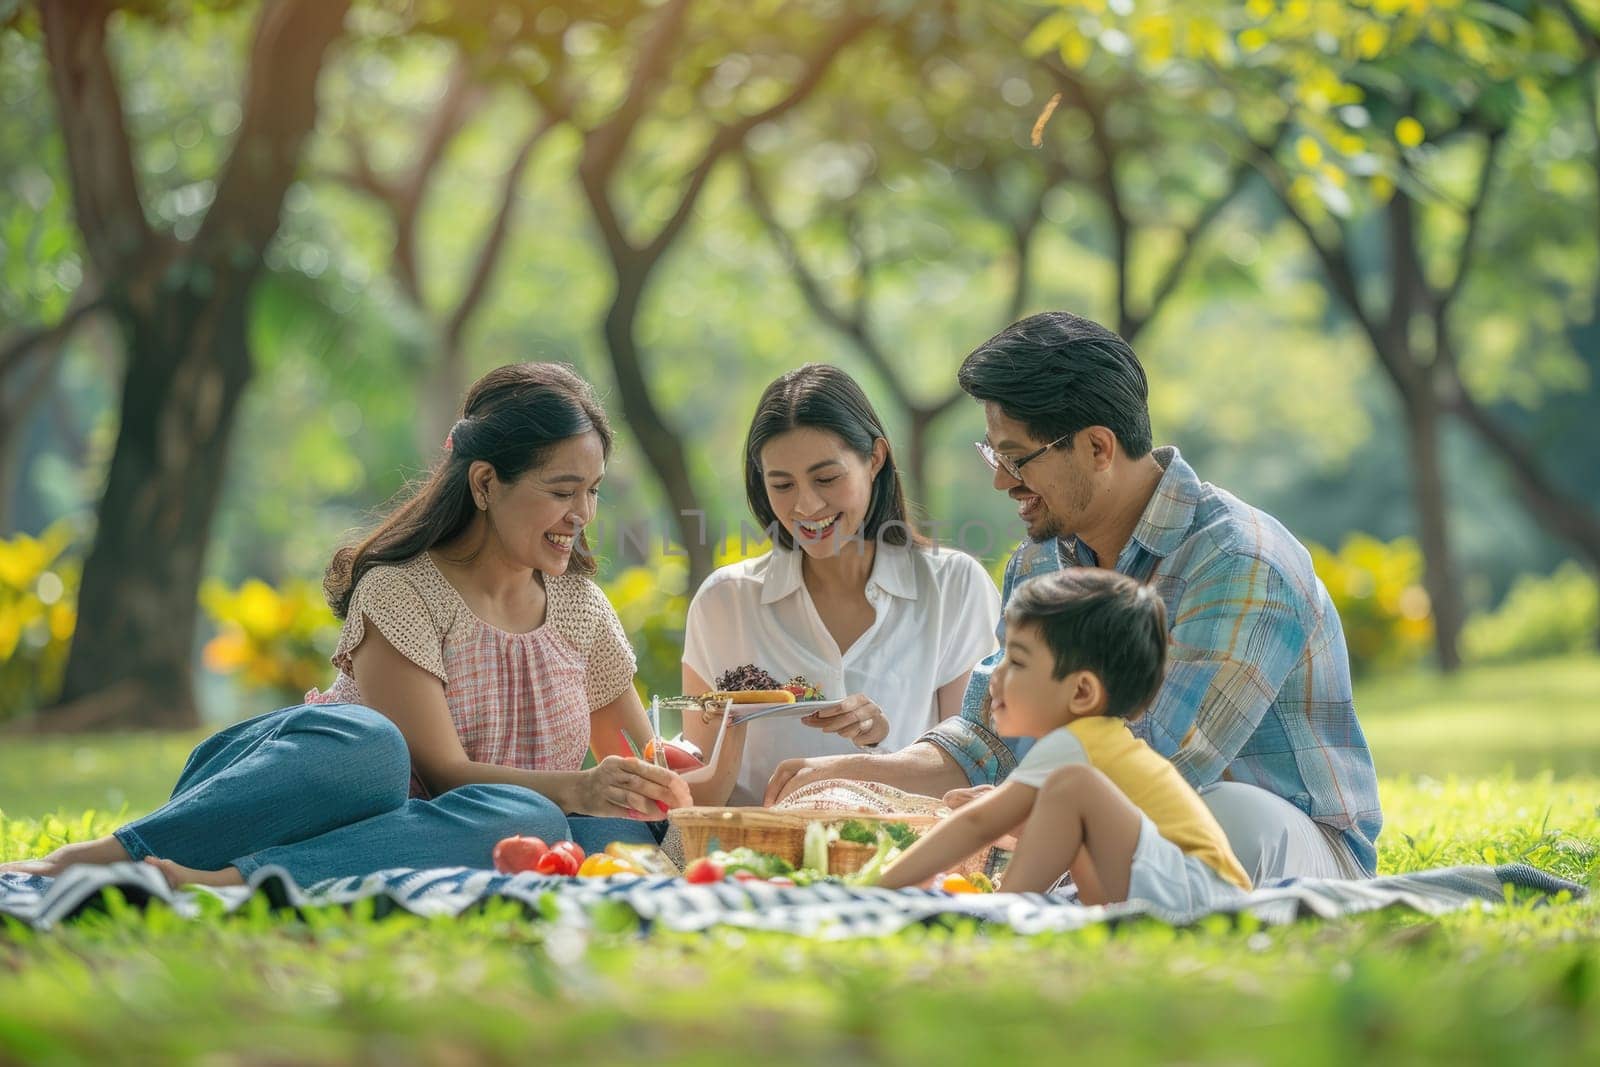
{"x": 254, "y": 251}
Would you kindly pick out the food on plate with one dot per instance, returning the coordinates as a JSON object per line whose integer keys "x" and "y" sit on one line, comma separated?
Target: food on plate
{"x": 802, "y": 689}
{"x": 751, "y": 696}
{"x": 749, "y": 684}
{"x": 745, "y": 678}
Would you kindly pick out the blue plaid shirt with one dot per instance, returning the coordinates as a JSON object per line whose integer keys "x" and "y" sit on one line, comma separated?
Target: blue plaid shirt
{"x": 1258, "y": 679}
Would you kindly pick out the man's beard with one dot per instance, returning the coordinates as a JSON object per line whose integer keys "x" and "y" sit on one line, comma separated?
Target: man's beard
{"x": 1049, "y": 525}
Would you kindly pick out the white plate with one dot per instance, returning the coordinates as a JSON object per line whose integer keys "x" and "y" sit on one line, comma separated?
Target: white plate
{"x": 741, "y": 713}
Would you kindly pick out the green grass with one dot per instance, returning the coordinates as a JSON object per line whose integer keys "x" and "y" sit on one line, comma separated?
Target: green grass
{"x": 1527, "y": 718}
{"x": 1515, "y": 984}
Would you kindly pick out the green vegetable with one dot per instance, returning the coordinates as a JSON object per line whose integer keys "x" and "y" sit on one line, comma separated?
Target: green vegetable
{"x": 866, "y": 833}
{"x": 872, "y": 870}
{"x": 815, "y": 853}
{"x": 760, "y": 864}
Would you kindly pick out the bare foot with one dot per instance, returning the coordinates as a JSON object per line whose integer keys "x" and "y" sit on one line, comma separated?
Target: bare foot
{"x": 46, "y": 867}
{"x": 101, "y": 850}
{"x": 178, "y": 875}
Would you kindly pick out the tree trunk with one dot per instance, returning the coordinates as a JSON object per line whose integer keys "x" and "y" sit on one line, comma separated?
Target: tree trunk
{"x": 187, "y": 366}
{"x": 913, "y": 462}
{"x": 444, "y": 387}
{"x": 662, "y": 449}
{"x": 1433, "y": 527}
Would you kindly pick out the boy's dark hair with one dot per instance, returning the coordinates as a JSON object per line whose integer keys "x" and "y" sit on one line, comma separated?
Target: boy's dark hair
{"x": 1057, "y": 373}
{"x": 1101, "y": 621}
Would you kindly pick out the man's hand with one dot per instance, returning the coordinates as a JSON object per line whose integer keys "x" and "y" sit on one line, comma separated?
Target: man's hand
{"x": 791, "y": 774}
{"x": 919, "y": 768}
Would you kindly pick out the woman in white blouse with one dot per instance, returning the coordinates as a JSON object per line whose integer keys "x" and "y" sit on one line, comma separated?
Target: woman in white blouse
{"x": 851, "y": 596}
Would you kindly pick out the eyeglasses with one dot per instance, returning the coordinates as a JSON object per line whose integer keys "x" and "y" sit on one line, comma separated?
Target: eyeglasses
{"x": 999, "y": 461}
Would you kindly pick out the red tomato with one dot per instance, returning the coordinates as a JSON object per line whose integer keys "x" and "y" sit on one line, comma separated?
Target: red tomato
{"x": 703, "y": 871}
{"x": 571, "y": 848}
{"x": 681, "y": 755}
{"x": 746, "y": 876}
{"x": 515, "y": 854}
{"x": 557, "y": 862}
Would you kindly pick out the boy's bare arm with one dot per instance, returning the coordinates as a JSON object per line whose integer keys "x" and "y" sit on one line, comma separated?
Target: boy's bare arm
{"x": 972, "y": 827}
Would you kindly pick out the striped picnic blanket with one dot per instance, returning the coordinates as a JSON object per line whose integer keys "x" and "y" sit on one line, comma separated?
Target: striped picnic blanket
{"x": 820, "y": 911}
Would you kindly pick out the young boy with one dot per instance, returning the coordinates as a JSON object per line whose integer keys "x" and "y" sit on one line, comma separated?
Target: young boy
{"x": 1085, "y": 652}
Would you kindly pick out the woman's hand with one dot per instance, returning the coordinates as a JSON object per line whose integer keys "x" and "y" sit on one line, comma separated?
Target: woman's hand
{"x": 855, "y": 718}
{"x": 621, "y": 786}
{"x": 957, "y": 797}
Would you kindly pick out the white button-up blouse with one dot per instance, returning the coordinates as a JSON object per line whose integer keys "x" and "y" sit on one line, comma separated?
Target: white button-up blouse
{"x": 936, "y": 611}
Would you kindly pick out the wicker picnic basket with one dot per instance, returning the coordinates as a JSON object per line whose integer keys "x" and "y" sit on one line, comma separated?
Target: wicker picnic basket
{"x": 781, "y": 830}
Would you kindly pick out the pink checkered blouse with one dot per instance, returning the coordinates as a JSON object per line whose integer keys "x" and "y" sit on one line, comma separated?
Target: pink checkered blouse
{"x": 517, "y": 700}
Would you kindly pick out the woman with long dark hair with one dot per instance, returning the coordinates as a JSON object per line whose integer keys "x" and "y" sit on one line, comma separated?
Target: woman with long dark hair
{"x": 477, "y": 666}
{"x": 851, "y": 596}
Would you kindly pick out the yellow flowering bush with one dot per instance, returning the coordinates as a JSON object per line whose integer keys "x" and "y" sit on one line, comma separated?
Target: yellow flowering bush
{"x": 38, "y": 612}
{"x": 1377, "y": 587}
{"x": 652, "y": 600}
{"x": 272, "y": 639}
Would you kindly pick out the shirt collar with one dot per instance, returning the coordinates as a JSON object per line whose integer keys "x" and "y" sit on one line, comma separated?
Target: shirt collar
{"x": 893, "y": 571}
{"x": 1167, "y": 518}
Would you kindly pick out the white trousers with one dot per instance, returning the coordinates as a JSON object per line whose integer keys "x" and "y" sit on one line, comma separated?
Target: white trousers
{"x": 1274, "y": 839}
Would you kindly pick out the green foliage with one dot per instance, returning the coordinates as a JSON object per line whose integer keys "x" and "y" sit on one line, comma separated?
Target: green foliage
{"x": 652, "y": 600}
{"x": 1511, "y": 984}
{"x": 38, "y": 611}
{"x": 272, "y": 640}
{"x": 1542, "y": 616}
{"x": 1514, "y": 984}
{"x": 1377, "y": 589}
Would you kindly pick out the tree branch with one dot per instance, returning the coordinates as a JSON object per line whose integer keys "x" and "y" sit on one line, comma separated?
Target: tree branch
{"x": 732, "y": 135}
{"x": 1442, "y": 301}
{"x": 852, "y": 326}
{"x": 16, "y": 347}
{"x": 462, "y": 97}
{"x": 1337, "y": 267}
{"x": 1023, "y": 231}
{"x": 1588, "y": 37}
{"x": 494, "y": 241}
{"x": 1192, "y": 237}
{"x": 105, "y": 186}
{"x": 279, "y": 110}
{"x": 1570, "y": 518}
{"x": 604, "y": 145}
{"x": 1106, "y": 179}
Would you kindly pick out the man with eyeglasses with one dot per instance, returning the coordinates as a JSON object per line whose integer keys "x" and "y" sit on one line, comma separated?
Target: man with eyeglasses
{"x": 1256, "y": 708}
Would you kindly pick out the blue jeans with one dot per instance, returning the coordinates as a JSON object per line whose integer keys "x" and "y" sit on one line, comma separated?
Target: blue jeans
{"x": 322, "y": 791}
